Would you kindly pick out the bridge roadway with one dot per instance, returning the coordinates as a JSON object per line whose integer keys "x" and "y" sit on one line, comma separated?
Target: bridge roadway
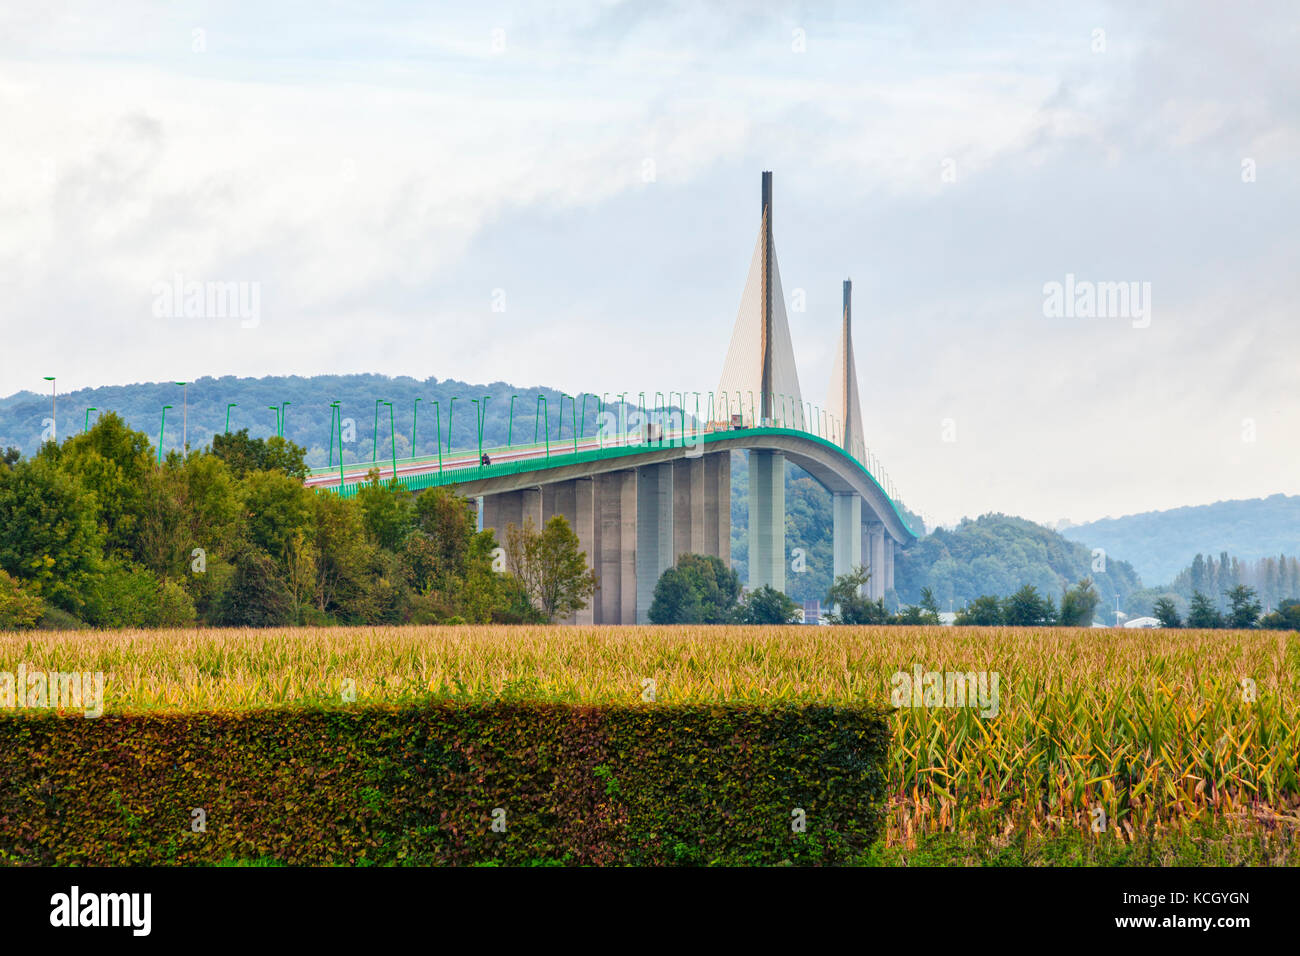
{"x": 636, "y": 504}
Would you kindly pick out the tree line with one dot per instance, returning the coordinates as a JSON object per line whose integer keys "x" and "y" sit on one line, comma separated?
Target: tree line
{"x": 1275, "y": 580}
{"x": 1241, "y": 610}
{"x": 97, "y": 532}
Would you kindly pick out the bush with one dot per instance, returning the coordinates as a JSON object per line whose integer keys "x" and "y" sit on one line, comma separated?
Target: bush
{"x": 19, "y": 611}
{"x": 131, "y": 596}
{"x": 640, "y": 785}
{"x": 57, "y": 619}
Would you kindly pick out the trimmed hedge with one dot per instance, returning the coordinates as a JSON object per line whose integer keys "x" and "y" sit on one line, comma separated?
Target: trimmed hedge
{"x": 653, "y": 784}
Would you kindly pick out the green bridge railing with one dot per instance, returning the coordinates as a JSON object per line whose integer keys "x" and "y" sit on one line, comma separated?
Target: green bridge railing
{"x": 556, "y": 459}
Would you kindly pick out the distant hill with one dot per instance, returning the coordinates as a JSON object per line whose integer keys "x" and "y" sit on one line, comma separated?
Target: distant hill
{"x": 997, "y": 554}
{"x": 1161, "y": 543}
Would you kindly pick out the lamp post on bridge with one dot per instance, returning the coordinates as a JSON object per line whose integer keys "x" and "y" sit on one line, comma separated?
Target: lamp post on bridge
{"x": 574, "y": 402}
{"x": 374, "y": 442}
{"x": 229, "y": 406}
{"x": 276, "y": 409}
{"x": 161, "y": 427}
{"x": 480, "y": 414}
{"x": 338, "y": 429}
{"x": 86, "y": 428}
{"x": 415, "y": 417}
{"x": 437, "y": 427}
{"x": 510, "y": 430}
{"x": 392, "y": 435}
{"x": 451, "y": 414}
{"x": 542, "y": 409}
{"x": 334, "y": 416}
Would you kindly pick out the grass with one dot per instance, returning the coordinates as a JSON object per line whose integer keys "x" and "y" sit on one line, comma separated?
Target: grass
{"x": 1155, "y": 729}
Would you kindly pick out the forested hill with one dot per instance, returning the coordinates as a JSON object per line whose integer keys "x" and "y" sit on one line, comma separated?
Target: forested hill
{"x": 1162, "y": 543}
{"x": 997, "y": 554}
{"x": 23, "y": 416}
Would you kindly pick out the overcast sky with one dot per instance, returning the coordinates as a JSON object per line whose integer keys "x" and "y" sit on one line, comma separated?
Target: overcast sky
{"x": 384, "y": 174}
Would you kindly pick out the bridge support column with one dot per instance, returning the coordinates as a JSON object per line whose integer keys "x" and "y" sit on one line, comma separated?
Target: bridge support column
{"x": 875, "y": 542}
{"x": 890, "y": 545}
{"x": 654, "y": 532}
{"x": 575, "y": 500}
{"x": 688, "y": 507}
{"x": 846, "y": 514}
{"x": 502, "y": 510}
{"x": 767, "y": 519}
{"x": 531, "y": 507}
{"x": 717, "y": 506}
{"x": 615, "y": 547}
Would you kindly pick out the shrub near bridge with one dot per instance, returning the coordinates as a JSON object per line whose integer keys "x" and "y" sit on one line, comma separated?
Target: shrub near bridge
{"x": 506, "y": 782}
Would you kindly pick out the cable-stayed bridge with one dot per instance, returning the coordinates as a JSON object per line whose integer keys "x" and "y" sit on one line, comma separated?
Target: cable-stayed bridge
{"x": 654, "y": 481}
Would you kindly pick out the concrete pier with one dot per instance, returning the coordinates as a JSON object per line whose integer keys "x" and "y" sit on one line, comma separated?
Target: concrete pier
{"x": 767, "y": 519}
{"x": 616, "y": 543}
{"x": 846, "y": 514}
{"x": 654, "y": 531}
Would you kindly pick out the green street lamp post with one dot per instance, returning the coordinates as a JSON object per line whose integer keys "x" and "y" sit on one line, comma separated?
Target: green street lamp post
{"x": 276, "y": 409}
{"x": 437, "y": 427}
{"x": 392, "y": 435}
{"x": 338, "y": 418}
{"x": 415, "y": 417}
{"x": 480, "y": 415}
{"x": 542, "y": 409}
{"x": 334, "y": 417}
{"x": 574, "y": 402}
{"x": 374, "y": 442}
{"x": 228, "y": 408}
{"x": 162, "y": 425}
{"x": 451, "y": 414}
{"x": 510, "y": 430}
{"x": 92, "y": 408}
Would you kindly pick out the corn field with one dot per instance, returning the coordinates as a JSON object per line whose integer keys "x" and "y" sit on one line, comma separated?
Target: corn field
{"x": 1113, "y": 733}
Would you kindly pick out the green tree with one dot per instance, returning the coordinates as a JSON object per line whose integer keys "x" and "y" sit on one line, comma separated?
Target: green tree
{"x": 676, "y": 600}
{"x": 19, "y": 611}
{"x": 551, "y": 565}
{"x": 1285, "y": 618}
{"x": 124, "y": 595}
{"x": 1243, "y": 607}
{"x": 1167, "y": 613}
{"x": 1026, "y": 608}
{"x": 277, "y": 507}
{"x": 244, "y": 454}
{"x": 929, "y": 606}
{"x": 388, "y": 511}
{"x": 767, "y": 605}
{"x": 984, "y": 611}
{"x": 1078, "y": 604}
{"x": 698, "y": 589}
{"x": 113, "y": 463}
{"x": 49, "y": 536}
{"x": 849, "y": 605}
{"x": 1203, "y": 613}
{"x": 256, "y": 596}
